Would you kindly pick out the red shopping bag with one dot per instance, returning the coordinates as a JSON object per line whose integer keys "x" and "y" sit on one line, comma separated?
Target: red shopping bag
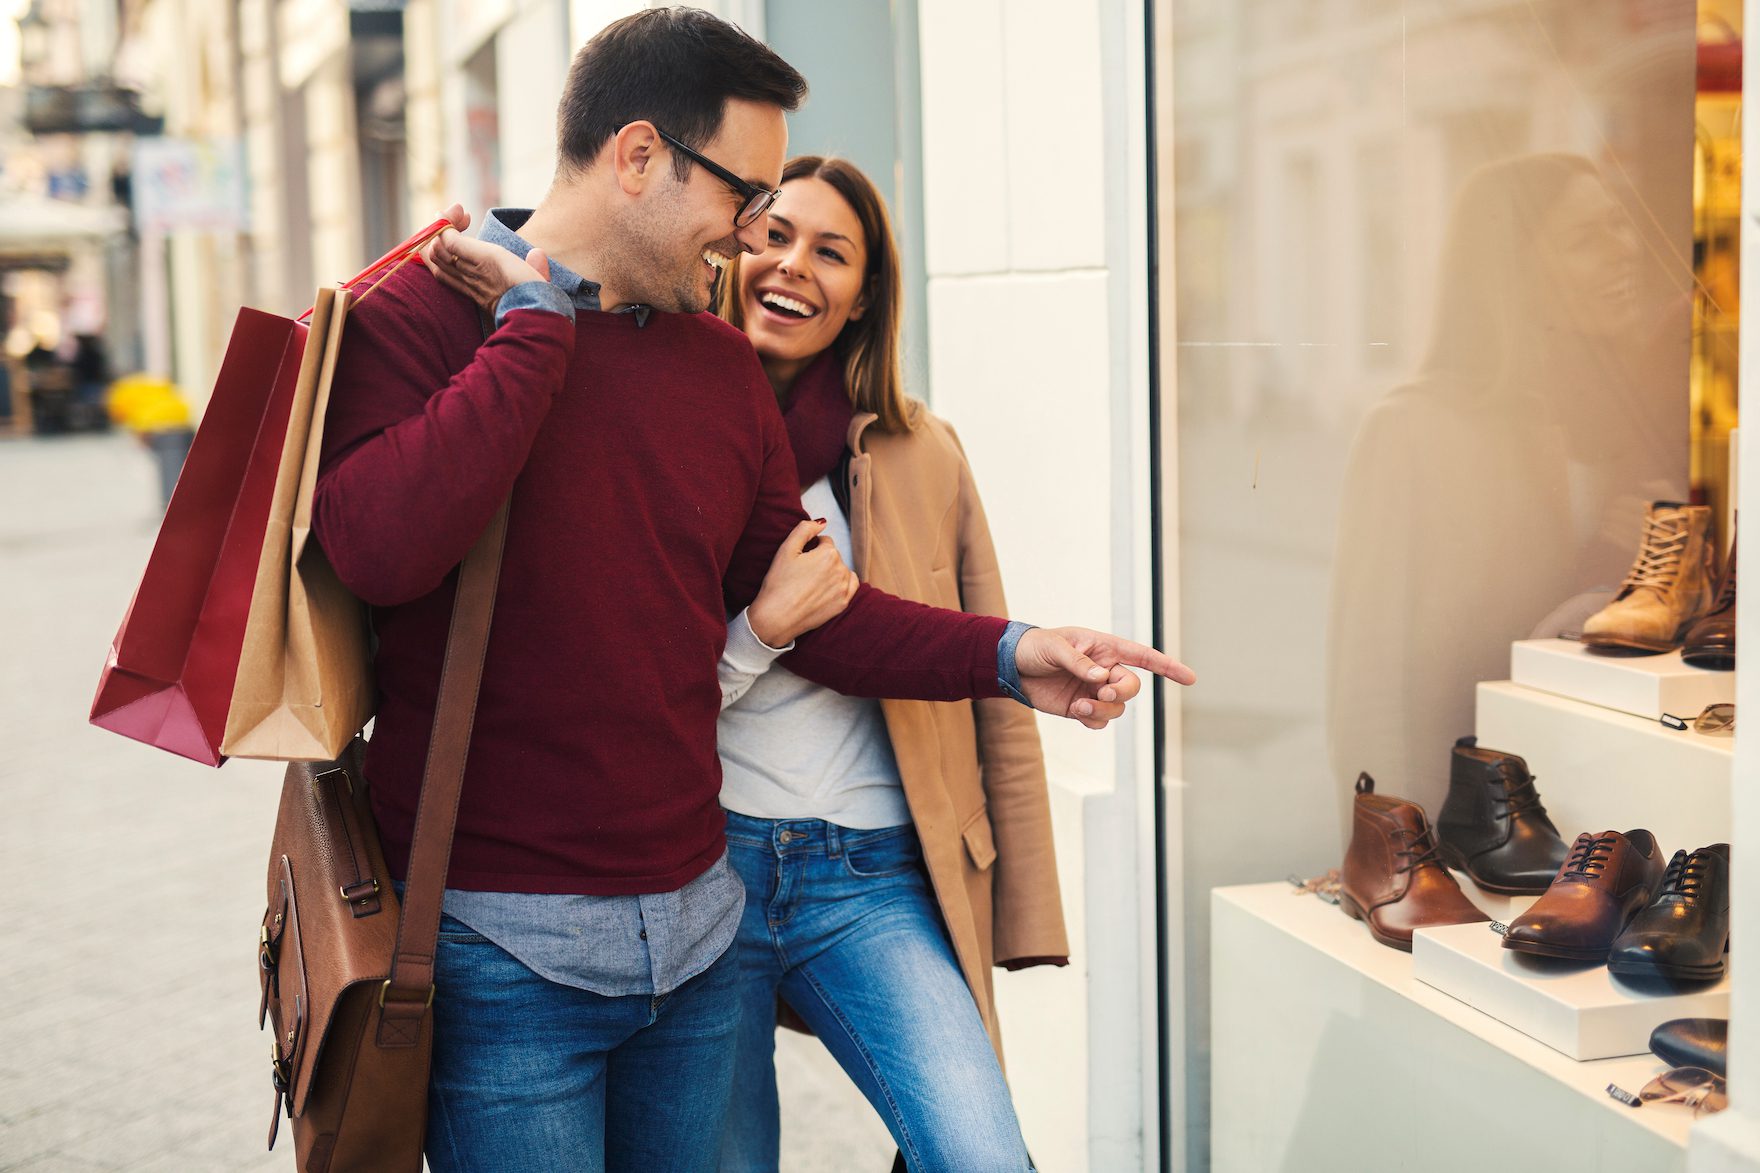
{"x": 172, "y": 670}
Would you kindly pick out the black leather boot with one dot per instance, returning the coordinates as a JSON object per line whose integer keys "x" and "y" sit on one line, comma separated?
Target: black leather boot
{"x": 1683, "y": 934}
{"x": 1493, "y": 826}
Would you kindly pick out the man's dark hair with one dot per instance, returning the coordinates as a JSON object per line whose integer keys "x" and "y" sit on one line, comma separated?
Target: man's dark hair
{"x": 675, "y": 67}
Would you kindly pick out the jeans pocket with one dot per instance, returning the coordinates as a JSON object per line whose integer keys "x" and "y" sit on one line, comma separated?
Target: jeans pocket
{"x": 890, "y": 854}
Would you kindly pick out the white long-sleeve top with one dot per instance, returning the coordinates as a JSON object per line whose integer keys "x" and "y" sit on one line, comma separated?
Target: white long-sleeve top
{"x": 792, "y": 749}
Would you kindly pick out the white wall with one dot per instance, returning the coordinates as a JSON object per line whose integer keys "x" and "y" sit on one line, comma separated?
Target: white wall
{"x": 1036, "y": 251}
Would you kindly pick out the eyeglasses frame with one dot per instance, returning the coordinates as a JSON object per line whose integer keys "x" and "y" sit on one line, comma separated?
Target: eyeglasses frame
{"x": 751, "y": 193}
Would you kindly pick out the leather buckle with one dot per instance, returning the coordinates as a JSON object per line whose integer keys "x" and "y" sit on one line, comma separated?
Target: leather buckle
{"x": 384, "y": 989}
{"x": 278, "y": 1070}
{"x": 360, "y": 892}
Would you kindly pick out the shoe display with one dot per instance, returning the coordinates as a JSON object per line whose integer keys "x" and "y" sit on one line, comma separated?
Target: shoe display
{"x": 1606, "y": 880}
{"x": 1711, "y": 642}
{"x": 1393, "y": 877}
{"x": 1684, "y": 932}
{"x": 1668, "y": 587}
{"x": 1693, "y": 1042}
{"x": 1493, "y": 827}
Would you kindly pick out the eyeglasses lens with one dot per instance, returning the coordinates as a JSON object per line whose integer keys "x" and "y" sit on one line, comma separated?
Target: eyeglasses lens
{"x": 755, "y": 207}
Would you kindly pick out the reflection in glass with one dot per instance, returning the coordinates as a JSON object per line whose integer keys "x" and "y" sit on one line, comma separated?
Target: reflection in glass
{"x": 1431, "y": 286}
{"x": 1498, "y": 493}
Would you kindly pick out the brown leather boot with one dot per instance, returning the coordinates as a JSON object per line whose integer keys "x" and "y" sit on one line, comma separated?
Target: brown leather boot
{"x": 1393, "y": 877}
{"x": 1668, "y": 587}
{"x": 1711, "y": 642}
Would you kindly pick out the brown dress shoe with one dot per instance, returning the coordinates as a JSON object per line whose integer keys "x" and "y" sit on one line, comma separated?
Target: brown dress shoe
{"x": 1668, "y": 587}
{"x": 1711, "y": 642}
{"x": 1393, "y": 877}
{"x": 1604, "y": 882}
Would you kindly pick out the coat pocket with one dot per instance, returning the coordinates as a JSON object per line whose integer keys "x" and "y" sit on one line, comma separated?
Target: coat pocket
{"x": 980, "y": 845}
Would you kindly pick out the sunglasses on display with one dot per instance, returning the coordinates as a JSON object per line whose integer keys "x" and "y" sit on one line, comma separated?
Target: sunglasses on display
{"x": 1701, "y": 1090}
{"x": 1716, "y": 720}
{"x": 756, "y": 200}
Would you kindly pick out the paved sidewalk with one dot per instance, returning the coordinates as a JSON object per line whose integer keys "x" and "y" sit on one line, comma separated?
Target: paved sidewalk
{"x": 127, "y": 1049}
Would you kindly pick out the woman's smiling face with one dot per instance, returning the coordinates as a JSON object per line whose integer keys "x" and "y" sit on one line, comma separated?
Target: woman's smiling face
{"x": 798, "y": 293}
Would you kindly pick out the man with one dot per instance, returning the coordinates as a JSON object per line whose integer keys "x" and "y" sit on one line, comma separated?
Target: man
{"x": 587, "y": 1008}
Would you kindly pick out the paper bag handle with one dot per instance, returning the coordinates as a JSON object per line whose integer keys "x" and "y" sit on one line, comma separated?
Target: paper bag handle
{"x": 394, "y": 260}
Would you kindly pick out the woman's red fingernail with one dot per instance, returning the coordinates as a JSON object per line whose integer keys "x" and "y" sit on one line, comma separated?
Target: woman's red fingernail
{"x": 820, "y": 520}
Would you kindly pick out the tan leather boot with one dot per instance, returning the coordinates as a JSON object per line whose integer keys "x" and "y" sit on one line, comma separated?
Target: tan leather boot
{"x": 1668, "y": 587}
{"x": 1393, "y": 878}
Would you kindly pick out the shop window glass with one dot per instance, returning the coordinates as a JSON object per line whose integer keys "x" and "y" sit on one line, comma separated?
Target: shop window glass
{"x": 1435, "y": 288}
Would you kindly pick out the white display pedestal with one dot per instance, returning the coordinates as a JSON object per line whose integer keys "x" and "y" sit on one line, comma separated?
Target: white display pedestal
{"x": 1644, "y": 686}
{"x": 1580, "y": 1010}
{"x": 1329, "y": 1055}
{"x": 1598, "y": 770}
{"x": 1502, "y": 909}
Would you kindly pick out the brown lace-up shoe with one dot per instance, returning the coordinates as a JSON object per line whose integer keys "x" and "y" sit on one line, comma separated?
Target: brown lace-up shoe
{"x": 1711, "y": 642}
{"x": 1393, "y": 878}
{"x": 1605, "y": 881}
{"x": 1668, "y": 587}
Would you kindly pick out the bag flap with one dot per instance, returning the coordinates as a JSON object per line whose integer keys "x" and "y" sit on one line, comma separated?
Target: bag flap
{"x": 342, "y": 896}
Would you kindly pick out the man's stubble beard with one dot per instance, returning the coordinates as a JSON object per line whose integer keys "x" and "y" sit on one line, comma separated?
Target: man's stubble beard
{"x": 648, "y": 264}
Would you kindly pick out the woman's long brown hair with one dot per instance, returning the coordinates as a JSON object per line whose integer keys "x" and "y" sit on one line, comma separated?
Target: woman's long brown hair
{"x": 868, "y": 346}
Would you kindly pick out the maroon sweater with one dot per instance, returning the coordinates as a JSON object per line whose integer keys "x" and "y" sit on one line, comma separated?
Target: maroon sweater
{"x": 652, "y": 482}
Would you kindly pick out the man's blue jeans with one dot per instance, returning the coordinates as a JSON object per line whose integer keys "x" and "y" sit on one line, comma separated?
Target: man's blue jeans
{"x": 530, "y": 1075}
{"x": 842, "y": 925}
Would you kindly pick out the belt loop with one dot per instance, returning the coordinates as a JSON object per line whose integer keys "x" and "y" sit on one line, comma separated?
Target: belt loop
{"x": 833, "y": 841}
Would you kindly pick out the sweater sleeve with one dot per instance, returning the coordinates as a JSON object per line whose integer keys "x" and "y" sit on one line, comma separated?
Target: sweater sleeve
{"x": 745, "y": 658}
{"x": 881, "y": 646}
{"x": 419, "y": 454}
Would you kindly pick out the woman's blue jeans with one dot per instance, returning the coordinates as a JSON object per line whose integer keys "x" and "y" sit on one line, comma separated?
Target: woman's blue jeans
{"x": 842, "y": 925}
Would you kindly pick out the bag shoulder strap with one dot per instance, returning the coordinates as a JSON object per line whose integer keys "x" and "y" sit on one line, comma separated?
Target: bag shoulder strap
{"x": 409, "y": 991}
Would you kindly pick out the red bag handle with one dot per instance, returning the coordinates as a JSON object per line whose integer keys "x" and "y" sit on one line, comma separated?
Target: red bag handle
{"x": 409, "y": 250}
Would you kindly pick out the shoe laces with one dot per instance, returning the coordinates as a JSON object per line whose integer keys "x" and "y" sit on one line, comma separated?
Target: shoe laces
{"x": 1589, "y": 856}
{"x": 1417, "y": 849}
{"x": 1684, "y": 877}
{"x": 1518, "y": 797}
{"x": 1659, "y": 558}
{"x": 1726, "y": 590}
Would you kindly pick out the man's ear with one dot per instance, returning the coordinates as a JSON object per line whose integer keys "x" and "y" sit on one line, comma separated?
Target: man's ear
{"x": 637, "y": 153}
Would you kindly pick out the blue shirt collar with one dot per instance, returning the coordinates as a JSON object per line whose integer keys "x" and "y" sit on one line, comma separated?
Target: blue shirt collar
{"x": 501, "y": 226}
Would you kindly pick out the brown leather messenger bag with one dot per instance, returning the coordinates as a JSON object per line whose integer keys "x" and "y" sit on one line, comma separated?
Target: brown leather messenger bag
{"x": 348, "y": 977}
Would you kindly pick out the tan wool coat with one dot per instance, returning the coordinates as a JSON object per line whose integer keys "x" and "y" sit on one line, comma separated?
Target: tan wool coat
{"x": 973, "y": 771}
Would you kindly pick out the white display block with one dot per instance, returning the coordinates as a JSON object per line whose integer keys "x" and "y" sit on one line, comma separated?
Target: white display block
{"x": 1580, "y": 1010}
{"x": 1494, "y": 905}
{"x": 1598, "y": 770}
{"x": 1644, "y": 686}
{"x": 1328, "y": 1054}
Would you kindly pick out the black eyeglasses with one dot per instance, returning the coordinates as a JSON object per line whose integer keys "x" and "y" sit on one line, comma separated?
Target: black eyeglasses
{"x": 757, "y": 199}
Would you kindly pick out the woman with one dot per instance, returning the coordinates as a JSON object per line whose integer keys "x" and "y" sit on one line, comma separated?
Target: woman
{"x": 892, "y": 851}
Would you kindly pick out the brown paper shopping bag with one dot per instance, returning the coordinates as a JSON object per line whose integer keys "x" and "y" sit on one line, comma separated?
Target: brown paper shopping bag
{"x": 304, "y": 685}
